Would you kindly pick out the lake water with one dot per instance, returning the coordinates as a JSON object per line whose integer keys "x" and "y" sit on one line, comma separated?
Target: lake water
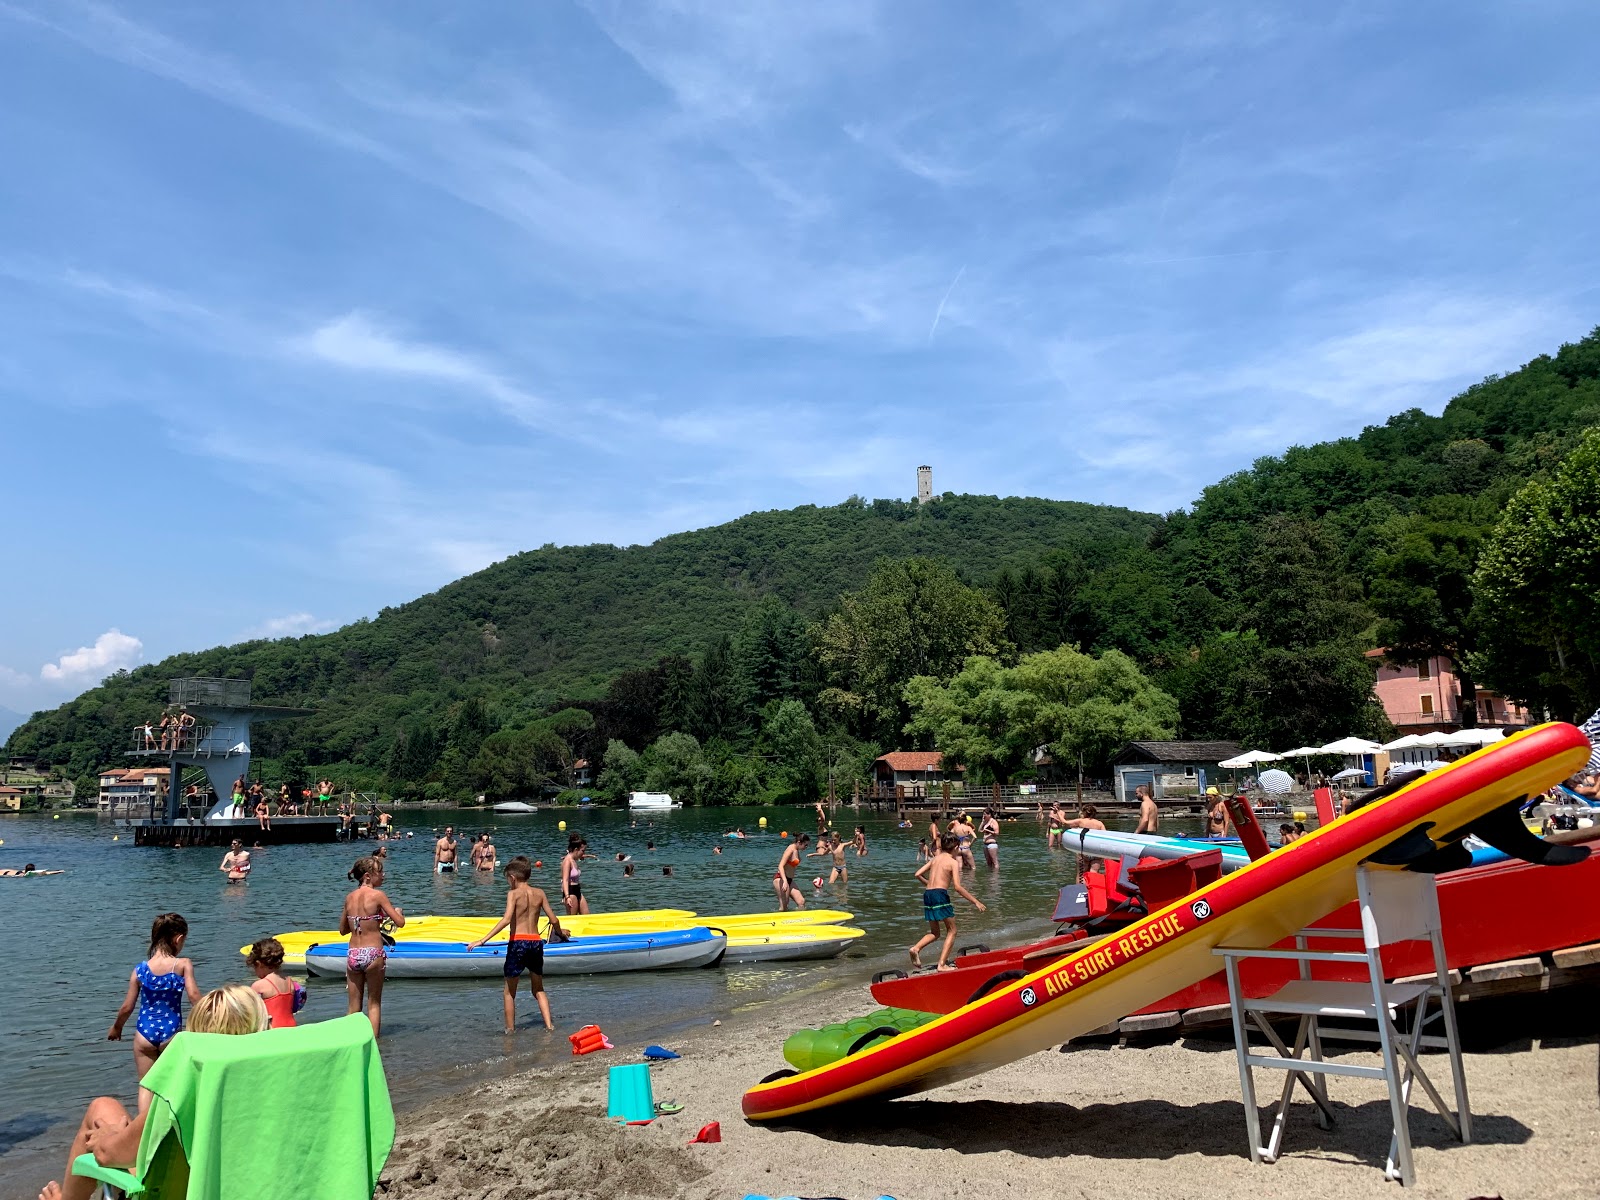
{"x": 68, "y": 942}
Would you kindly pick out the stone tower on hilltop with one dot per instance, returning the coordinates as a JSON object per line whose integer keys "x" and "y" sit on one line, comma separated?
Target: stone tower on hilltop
{"x": 924, "y": 484}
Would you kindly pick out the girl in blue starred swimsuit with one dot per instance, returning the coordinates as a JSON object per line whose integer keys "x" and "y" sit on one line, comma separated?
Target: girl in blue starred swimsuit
{"x": 157, "y": 986}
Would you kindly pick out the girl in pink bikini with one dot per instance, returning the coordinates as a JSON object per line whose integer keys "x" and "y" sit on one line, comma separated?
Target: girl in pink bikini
{"x": 365, "y": 910}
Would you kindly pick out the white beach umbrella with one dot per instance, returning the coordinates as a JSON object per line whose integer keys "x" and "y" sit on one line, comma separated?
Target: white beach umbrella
{"x": 1350, "y": 773}
{"x": 1275, "y": 781}
{"x": 1436, "y": 740}
{"x": 1249, "y": 759}
{"x": 1411, "y": 741}
{"x": 1301, "y": 752}
{"x": 1351, "y": 745}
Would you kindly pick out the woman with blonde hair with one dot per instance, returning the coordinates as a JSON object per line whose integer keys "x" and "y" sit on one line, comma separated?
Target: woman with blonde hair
{"x": 107, "y": 1130}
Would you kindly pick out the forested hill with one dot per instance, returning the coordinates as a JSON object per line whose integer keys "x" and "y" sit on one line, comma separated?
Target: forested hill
{"x": 751, "y": 660}
{"x": 561, "y": 621}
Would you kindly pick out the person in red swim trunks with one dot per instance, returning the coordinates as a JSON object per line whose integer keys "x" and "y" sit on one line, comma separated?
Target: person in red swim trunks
{"x": 525, "y": 952}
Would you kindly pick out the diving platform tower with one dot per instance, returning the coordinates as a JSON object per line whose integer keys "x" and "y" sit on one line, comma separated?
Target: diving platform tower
{"x": 218, "y": 742}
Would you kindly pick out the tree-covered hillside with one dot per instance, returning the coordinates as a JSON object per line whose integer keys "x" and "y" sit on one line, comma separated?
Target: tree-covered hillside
{"x": 563, "y": 621}
{"x": 752, "y": 660}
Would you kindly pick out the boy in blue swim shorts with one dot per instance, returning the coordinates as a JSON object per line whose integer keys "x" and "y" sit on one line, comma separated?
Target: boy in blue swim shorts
{"x": 525, "y": 950}
{"x": 941, "y": 875}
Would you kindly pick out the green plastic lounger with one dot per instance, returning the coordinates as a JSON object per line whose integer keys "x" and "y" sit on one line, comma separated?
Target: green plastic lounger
{"x": 284, "y": 1114}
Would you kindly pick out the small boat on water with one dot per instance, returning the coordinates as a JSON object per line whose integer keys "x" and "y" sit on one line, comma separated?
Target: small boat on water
{"x": 651, "y": 800}
{"x": 515, "y": 806}
{"x": 674, "y": 949}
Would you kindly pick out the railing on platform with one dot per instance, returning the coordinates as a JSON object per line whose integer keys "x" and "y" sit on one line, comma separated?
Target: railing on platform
{"x": 217, "y": 693}
{"x": 204, "y": 741}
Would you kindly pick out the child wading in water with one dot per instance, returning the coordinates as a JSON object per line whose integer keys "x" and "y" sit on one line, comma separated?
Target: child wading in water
{"x": 158, "y": 986}
{"x": 943, "y": 874}
{"x": 282, "y": 997}
{"x": 366, "y": 958}
{"x": 525, "y": 952}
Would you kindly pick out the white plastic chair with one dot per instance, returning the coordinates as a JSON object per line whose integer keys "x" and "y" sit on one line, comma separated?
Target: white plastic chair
{"x": 1396, "y": 906}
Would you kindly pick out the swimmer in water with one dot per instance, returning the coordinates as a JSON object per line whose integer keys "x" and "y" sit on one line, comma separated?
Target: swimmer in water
{"x": 236, "y": 862}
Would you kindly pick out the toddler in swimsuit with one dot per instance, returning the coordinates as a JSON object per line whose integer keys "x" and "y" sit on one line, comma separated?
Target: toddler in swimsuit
{"x": 157, "y": 986}
{"x": 282, "y": 997}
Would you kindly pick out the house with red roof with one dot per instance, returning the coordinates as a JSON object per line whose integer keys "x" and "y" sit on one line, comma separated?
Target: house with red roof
{"x": 912, "y": 768}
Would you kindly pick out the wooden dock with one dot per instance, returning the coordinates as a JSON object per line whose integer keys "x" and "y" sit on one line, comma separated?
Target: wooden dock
{"x": 220, "y": 831}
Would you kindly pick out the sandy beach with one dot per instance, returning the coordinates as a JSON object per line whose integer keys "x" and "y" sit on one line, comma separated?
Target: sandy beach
{"x": 1150, "y": 1121}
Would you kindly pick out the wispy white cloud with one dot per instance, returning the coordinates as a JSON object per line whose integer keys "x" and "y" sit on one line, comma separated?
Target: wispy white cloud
{"x": 356, "y": 343}
{"x": 290, "y": 625}
{"x": 112, "y": 651}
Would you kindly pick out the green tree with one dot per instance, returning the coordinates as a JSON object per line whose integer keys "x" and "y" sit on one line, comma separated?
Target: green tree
{"x": 1537, "y": 585}
{"x": 1237, "y": 686}
{"x": 793, "y": 753}
{"x": 677, "y": 710}
{"x": 622, "y": 771}
{"x": 1422, "y": 590}
{"x": 991, "y": 718}
{"x": 294, "y": 770}
{"x": 715, "y": 709}
{"x": 675, "y": 764}
{"x": 914, "y": 617}
{"x": 471, "y": 725}
{"x": 522, "y": 762}
{"x": 769, "y": 655}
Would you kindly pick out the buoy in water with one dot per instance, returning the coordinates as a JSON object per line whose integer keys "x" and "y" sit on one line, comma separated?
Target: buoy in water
{"x": 116, "y": 837}
{"x": 784, "y": 834}
{"x": 1299, "y": 816}
{"x": 56, "y": 817}
{"x": 561, "y": 824}
{"x": 538, "y": 862}
{"x": 762, "y": 822}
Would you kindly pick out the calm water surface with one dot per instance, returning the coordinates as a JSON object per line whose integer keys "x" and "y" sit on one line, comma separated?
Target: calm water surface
{"x": 68, "y": 942}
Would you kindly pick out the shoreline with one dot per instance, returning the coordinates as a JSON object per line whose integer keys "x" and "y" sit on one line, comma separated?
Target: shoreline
{"x": 1155, "y": 1120}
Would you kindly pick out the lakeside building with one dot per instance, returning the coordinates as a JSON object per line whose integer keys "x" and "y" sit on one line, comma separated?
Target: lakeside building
{"x": 918, "y": 771}
{"x": 126, "y": 788}
{"x": 1170, "y": 768}
{"x": 10, "y": 799}
{"x": 1427, "y": 698}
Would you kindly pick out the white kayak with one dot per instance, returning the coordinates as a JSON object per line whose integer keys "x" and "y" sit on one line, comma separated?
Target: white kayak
{"x": 1113, "y": 843}
{"x": 606, "y": 954}
{"x": 790, "y": 945}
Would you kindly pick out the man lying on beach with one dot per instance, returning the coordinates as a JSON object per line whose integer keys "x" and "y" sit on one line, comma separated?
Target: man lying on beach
{"x": 942, "y": 874}
{"x": 525, "y": 951}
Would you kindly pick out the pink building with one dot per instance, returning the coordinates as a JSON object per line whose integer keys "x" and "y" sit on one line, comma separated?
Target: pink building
{"x": 1428, "y": 698}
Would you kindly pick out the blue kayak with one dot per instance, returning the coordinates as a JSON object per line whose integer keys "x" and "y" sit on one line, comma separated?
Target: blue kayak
{"x": 657, "y": 951}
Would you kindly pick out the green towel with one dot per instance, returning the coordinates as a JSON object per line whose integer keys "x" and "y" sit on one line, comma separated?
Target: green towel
{"x": 289, "y": 1113}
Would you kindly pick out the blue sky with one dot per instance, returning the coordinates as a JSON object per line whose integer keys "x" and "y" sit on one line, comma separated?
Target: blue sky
{"x": 307, "y": 309}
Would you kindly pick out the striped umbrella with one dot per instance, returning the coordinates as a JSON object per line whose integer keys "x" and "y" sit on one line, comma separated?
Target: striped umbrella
{"x": 1592, "y": 728}
{"x": 1276, "y": 781}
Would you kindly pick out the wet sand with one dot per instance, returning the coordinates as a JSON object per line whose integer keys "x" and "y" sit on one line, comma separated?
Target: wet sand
{"x": 1153, "y": 1121}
